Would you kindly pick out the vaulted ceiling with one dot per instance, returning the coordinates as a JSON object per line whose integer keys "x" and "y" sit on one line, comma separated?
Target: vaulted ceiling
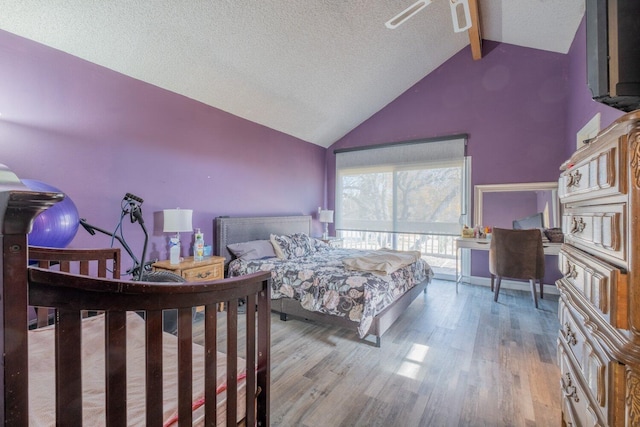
{"x": 309, "y": 68}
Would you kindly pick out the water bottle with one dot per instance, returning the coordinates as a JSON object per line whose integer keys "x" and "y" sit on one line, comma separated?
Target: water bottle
{"x": 174, "y": 250}
{"x": 198, "y": 246}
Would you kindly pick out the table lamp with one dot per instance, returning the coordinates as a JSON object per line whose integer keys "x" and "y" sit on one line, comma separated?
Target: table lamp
{"x": 176, "y": 221}
{"x": 325, "y": 217}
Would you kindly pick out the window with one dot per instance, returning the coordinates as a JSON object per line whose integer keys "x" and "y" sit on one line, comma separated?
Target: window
{"x": 408, "y": 196}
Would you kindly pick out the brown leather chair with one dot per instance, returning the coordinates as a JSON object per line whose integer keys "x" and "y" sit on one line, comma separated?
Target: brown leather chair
{"x": 516, "y": 254}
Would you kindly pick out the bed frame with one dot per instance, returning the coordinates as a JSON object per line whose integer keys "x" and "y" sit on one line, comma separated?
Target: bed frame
{"x": 242, "y": 229}
{"x": 69, "y": 295}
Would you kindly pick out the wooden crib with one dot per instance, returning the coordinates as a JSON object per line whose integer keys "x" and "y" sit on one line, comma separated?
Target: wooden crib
{"x": 70, "y": 295}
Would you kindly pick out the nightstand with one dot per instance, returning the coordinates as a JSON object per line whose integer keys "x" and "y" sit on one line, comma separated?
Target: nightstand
{"x": 334, "y": 242}
{"x": 210, "y": 268}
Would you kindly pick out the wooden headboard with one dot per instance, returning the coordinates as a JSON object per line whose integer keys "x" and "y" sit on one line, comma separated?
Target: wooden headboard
{"x": 244, "y": 229}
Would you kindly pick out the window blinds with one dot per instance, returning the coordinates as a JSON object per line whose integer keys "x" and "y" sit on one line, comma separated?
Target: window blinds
{"x": 404, "y": 153}
{"x": 411, "y": 187}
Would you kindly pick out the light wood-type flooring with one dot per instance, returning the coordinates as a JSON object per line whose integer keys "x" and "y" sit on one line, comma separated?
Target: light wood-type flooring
{"x": 450, "y": 360}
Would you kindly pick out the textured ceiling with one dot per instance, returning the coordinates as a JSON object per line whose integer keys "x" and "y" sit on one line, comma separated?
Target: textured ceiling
{"x": 311, "y": 69}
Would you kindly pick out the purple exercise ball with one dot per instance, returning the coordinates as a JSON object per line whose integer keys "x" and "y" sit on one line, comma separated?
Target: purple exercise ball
{"x": 57, "y": 226}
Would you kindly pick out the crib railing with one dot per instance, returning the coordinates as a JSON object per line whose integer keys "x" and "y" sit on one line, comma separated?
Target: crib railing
{"x": 70, "y": 294}
{"x": 104, "y": 262}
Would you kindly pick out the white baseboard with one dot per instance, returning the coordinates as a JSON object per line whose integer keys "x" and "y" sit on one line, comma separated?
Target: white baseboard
{"x": 510, "y": 284}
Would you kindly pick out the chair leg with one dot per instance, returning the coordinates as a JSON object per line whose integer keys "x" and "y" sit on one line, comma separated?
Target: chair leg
{"x": 497, "y": 291}
{"x": 541, "y": 294}
{"x": 492, "y": 278}
{"x": 533, "y": 292}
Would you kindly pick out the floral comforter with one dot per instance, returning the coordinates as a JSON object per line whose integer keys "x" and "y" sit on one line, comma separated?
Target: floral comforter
{"x": 321, "y": 283}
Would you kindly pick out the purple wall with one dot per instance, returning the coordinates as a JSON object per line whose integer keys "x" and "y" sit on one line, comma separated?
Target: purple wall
{"x": 97, "y": 134}
{"x": 500, "y": 209}
{"x": 511, "y": 103}
{"x": 519, "y": 204}
{"x": 521, "y": 108}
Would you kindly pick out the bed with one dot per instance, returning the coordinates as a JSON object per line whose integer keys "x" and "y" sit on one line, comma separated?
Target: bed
{"x": 114, "y": 367}
{"x": 386, "y": 296}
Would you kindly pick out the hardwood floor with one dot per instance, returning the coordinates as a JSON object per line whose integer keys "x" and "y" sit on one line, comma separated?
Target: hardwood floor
{"x": 450, "y": 360}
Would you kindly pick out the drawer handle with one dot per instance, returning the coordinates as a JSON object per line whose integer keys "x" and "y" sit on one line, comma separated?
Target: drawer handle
{"x": 574, "y": 178}
{"x": 204, "y": 275}
{"x": 569, "y": 335}
{"x": 577, "y": 225}
{"x": 570, "y": 390}
{"x": 572, "y": 271}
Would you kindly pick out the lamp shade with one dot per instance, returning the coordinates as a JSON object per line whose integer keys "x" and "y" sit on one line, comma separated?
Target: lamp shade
{"x": 177, "y": 220}
{"x": 325, "y": 216}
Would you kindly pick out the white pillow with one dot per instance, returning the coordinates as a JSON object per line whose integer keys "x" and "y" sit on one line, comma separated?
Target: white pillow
{"x": 276, "y": 247}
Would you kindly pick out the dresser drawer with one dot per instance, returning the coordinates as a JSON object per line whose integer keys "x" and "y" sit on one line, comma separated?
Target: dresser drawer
{"x": 201, "y": 274}
{"x": 593, "y": 395}
{"x": 602, "y": 285}
{"x": 599, "y": 230}
{"x": 571, "y": 334}
{"x": 597, "y": 174}
{"x": 576, "y": 407}
{"x": 592, "y": 362}
{"x": 599, "y": 336}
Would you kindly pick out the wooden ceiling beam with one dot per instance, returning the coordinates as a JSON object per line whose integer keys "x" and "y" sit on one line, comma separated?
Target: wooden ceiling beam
{"x": 475, "y": 35}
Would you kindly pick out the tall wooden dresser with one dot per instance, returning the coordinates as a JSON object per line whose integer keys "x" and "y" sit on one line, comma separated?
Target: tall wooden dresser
{"x": 599, "y": 308}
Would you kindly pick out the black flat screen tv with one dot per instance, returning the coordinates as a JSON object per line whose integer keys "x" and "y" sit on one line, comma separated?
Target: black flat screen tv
{"x": 613, "y": 52}
{"x": 532, "y": 221}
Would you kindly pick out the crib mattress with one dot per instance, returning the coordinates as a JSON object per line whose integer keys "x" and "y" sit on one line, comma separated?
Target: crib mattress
{"x": 42, "y": 384}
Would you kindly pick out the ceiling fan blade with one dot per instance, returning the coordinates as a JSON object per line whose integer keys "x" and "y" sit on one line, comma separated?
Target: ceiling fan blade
{"x": 403, "y": 16}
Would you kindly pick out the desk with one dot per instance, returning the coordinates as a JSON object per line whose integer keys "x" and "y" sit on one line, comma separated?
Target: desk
{"x": 483, "y": 245}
